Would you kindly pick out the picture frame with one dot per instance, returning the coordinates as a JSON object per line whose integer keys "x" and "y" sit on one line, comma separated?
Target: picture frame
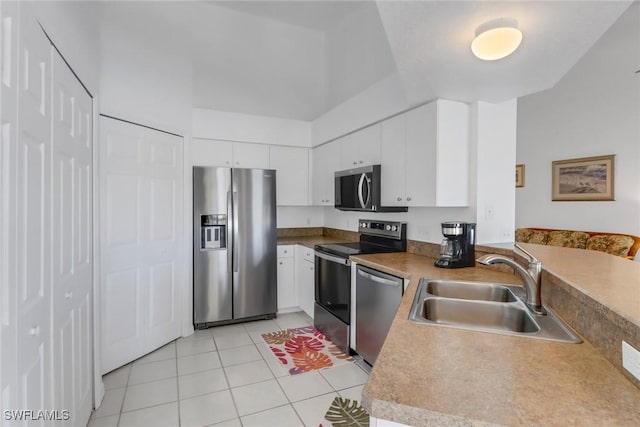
{"x": 519, "y": 176}
{"x": 583, "y": 179}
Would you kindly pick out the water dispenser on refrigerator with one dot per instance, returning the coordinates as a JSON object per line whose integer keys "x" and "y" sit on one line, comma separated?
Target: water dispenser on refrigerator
{"x": 213, "y": 232}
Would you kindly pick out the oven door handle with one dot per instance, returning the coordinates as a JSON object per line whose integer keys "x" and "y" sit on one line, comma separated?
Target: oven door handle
{"x": 332, "y": 258}
{"x": 378, "y": 279}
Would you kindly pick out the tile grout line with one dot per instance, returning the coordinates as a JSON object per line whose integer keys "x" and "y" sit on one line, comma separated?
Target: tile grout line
{"x": 177, "y": 384}
{"x": 235, "y": 405}
{"x": 124, "y": 396}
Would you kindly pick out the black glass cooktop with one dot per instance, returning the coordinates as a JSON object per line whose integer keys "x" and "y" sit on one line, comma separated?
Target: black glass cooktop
{"x": 354, "y": 248}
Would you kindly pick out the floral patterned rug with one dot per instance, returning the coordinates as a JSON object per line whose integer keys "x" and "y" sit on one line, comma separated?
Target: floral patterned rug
{"x": 304, "y": 349}
{"x": 345, "y": 413}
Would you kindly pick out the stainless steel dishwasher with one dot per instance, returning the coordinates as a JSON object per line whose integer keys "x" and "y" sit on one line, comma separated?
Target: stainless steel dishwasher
{"x": 378, "y": 296}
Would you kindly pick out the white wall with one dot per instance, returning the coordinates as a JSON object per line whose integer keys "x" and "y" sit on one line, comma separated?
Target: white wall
{"x": 495, "y": 173}
{"x": 213, "y": 124}
{"x": 73, "y": 27}
{"x": 382, "y": 99}
{"x": 300, "y": 216}
{"x": 277, "y": 71}
{"x": 423, "y": 224}
{"x": 594, "y": 110}
{"x": 145, "y": 76}
{"x": 356, "y": 53}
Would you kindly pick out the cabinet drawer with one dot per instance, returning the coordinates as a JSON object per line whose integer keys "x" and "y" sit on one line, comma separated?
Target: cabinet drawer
{"x": 308, "y": 254}
{"x": 285, "y": 251}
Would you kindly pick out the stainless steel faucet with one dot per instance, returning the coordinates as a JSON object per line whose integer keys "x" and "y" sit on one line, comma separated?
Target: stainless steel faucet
{"x": 530, "y": 277}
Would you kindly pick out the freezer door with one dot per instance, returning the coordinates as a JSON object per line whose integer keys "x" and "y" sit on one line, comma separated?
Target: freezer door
{"x": 212, "y": 290}
{"x": 254, "y": 242}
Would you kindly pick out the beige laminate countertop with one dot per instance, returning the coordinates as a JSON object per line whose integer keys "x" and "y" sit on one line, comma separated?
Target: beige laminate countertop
{"x": 434, "y": 375}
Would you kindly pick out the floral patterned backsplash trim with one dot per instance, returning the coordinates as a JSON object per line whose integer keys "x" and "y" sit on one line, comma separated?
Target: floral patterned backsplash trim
{"x": 304, "y": 349}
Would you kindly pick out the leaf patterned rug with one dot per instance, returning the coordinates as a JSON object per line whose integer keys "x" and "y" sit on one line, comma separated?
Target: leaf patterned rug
{"x": 304, "y": 349}
{"x": 345, "y": 413}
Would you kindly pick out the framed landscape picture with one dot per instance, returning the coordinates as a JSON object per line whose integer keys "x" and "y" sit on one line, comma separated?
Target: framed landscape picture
{"x": 519, "y": 176}
{"x": 588, "y": 178}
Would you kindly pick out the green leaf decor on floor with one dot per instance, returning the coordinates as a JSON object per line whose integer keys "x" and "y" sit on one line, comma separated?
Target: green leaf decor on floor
{"x": 346, "y": 413}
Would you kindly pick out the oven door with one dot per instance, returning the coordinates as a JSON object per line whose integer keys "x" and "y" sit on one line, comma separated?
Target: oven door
{"x": 333, "y": 284}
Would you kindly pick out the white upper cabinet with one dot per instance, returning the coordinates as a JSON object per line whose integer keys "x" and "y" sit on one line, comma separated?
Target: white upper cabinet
{"x": 250, "y": 156}
{"x": 217, "y": 152}
{"x": 392, "y": 160}
{"x": 361, "y": 148}
{"x": 424, "y": 156}
{"x": 292, "y": 166}
{"x": 211, "y": 152}
{"x": 325, "y": 162}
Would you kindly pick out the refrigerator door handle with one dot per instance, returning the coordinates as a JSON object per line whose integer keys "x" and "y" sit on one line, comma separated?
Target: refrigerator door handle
{"x": 234, "y": 213}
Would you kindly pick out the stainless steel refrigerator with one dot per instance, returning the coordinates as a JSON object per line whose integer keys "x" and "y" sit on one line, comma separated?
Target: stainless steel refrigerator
{"x": 234, "y": 245}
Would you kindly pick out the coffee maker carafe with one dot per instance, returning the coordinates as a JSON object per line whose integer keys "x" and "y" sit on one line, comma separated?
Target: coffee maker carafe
{"x": 458, "y": 246}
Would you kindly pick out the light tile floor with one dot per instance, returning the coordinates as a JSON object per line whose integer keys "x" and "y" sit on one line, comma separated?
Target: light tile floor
{"x": 224, "y": 376}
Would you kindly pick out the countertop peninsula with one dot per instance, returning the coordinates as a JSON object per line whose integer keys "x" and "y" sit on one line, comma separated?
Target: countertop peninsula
{"x": 434, "y": 375}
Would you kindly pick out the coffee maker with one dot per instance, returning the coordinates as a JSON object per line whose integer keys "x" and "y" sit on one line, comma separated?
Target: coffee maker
{"x": 458, "y": 246}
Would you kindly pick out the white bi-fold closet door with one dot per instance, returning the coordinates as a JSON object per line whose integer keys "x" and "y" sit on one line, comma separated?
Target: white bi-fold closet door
{"x": 46, "y": 288}
{"x": 141, "y": 180}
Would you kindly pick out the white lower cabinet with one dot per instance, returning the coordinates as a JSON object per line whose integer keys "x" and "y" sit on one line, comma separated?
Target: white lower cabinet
{"x": 305, "y": 277}
{"x": 287, "y": 300}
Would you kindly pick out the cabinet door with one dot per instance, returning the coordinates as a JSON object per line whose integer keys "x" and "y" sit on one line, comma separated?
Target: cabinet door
{"x": 250, "y": 156}
{"x": 361, "y": 148}
{"x": 453, "y": 154}
{"x": 326, "y": 161}
{"x": 392, "y": 160}
{"x": 305, "y": 277}
{"x": 307, "y": 295}
{"x": 286, "y": 284}
{"x": 211, "y": 152}
{"x": 292, "y": 180}
{"x": 421, "y": 156}
{"x": 368, "y": 141}
{"x": 349, "y": 151}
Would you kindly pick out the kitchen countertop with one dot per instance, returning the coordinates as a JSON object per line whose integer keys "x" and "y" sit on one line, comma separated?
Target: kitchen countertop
{"x": 435, "y": 375}
{"x": 308, "y": 241}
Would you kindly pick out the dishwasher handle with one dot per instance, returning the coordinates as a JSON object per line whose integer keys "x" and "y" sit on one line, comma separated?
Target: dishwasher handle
{"x": 332, "y": 258}
{"x": 378, "y": 279}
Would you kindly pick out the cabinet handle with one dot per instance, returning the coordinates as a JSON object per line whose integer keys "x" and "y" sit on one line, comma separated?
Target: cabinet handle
{"x": 311, "y": 268}
{"x": 68, "y": 295}
{"x": 399, "y": 199}
{"x": 285, "y": 251}
{"x": 228, "y": 162}
{"x": 280, "y": 262}
{"x": 237, "y": 163}
{"x": 408, "y": 199}
{"x": 361, "y": 162}
{"x": 355, "y": 163}
{"x": 35, "y": 331}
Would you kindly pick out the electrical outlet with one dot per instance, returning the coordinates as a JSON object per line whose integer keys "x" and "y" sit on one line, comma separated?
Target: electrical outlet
{"x": 631, "y": 359}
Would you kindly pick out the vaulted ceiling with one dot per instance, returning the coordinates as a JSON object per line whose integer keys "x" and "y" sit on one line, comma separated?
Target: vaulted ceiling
{"x": 300, "y": 59}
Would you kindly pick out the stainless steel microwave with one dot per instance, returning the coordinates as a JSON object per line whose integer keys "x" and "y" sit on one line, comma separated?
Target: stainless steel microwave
{"x": 359, "y": 190}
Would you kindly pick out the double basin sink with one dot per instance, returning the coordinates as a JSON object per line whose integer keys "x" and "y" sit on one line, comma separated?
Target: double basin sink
{"x": 487, "y": 307}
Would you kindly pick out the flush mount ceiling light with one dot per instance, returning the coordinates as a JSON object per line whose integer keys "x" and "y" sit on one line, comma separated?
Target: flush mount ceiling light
{"x": 496, "y": 39}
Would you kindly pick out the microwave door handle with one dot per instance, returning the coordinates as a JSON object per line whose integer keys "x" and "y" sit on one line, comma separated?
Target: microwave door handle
{"x": 368, "y": 181}
{"x": 363, "y": 177}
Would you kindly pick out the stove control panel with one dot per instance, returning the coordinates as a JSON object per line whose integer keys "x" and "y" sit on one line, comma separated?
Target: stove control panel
{"x": 390, "y": 229}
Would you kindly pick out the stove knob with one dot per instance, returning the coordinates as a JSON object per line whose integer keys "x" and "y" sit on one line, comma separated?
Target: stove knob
{"x": 363, "y": 225}
{"x": 394, "y": 228}
{"x": 388, "y": 227}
